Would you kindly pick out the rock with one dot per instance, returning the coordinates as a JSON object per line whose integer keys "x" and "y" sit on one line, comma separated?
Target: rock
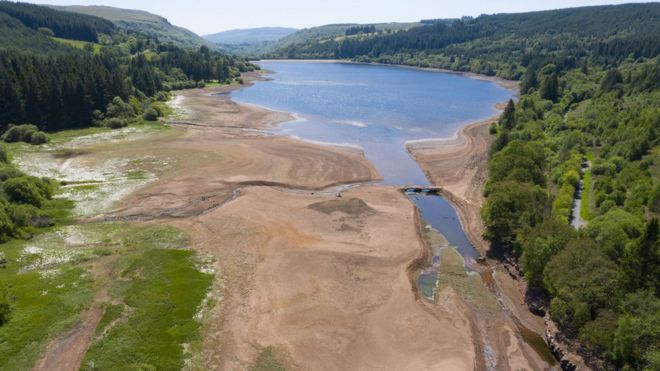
{"x": 568, "y": 360}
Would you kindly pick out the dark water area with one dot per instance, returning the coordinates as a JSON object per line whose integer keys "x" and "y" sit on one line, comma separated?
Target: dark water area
{"x": 379, "y": 109}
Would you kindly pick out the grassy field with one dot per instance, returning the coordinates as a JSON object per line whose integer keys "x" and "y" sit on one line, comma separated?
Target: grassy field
{"x": 157, "y": 287}
{"x": 47, "y": 285}
{"x": 156, "y": 297}
{"x": 78, "y": 44}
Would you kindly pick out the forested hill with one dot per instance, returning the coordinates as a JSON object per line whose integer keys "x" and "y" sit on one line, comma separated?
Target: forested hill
{"x": 53, "y": 74}
{"x": 503, "y": 44}
{"x": 65, "y": 25}
{"x": 145, "y": 23}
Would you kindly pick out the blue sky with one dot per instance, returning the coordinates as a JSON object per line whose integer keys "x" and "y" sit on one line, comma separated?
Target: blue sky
{"x": 209, "y": 16}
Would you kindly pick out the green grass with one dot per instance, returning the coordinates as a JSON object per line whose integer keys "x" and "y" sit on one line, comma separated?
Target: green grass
{"x": 163, "y": 289}
{"x": 42, "y": 305}
{"x": 111, "y": 313}
{"x": 585, "y": 211}
{"x": 78, "y": 44}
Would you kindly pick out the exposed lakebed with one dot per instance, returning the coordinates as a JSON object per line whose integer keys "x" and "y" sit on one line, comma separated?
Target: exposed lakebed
{"x": 379, "y": 109}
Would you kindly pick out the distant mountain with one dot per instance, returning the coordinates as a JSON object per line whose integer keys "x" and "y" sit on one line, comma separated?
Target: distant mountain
{"x": 250, "y": 35}
{"x": 143, "y": 22}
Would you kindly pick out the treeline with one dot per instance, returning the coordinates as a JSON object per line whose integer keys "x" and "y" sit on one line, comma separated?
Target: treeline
{"x": 503, "y": 44}
{"x": 360, "y": 29}
{"x": 602, "y": 281}
{"x": 57, "y": 92}
{"x": 63, "y": 87}
{"x": 62, "y": 24}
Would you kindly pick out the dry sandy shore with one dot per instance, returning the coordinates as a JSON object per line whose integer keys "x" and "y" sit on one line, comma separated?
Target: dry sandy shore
{"x": 324, "y": 279}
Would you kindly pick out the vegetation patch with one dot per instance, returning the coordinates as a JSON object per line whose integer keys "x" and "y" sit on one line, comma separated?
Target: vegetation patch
{"x": 163, "y": 290}
{"x": 271, "y": 359}
{"x": 41, "y": 302}
{"x": 350, "y": 206}
{"x": 468, "y": 285}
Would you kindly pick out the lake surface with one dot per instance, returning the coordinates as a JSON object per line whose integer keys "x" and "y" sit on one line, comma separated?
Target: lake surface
{"x": 379, "y": 108}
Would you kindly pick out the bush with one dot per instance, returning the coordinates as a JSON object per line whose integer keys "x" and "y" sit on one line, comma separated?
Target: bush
{"x": 39, "y": 138}
{"x": 119, "y": 109}
{"x": 116, "y": 123}
{"x": 18, "y": 133}
{"x": 23, "y": 190}
{"x": 7, "y": 229}
{"x": 24, "y": 133}
{"x": 150, "y": 114}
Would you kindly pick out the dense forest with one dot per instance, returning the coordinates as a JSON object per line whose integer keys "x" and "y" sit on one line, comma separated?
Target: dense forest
{"x": 62, "y": 70}
{"x": 588, "y": 118}
{"x": 599, "y": 125}
{"x": 503, "y": 44}
{"x": 47, "y": 81}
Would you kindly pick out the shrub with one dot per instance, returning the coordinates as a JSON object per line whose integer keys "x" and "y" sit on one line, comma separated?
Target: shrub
{"x": 23, "y": 190}
{"x": 150, "y": 114}
{"x": 6, "y": 225}
{"x": 18, "y": 133}
{"x": 24, "y": 133}
{"x": 39, "y": 138}
{"x": 21, "y": 215}
{"x": 119, "y": 109}
{"x": 116, "y": 123}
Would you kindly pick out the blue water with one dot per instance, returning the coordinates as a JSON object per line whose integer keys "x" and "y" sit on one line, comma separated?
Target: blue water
{"x": 379, "y": 108}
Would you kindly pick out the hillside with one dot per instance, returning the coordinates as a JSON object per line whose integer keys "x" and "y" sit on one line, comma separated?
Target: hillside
{"x": 321, "y": 33}
{"x": 143, "y": 22}
{"x": 501, "y": 43}
{"x": 250, "y": 35}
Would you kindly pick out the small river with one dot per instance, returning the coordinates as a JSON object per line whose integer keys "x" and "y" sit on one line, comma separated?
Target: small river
{"x": 379, "y": 109}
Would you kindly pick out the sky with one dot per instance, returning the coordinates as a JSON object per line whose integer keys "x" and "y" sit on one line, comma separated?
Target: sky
{"x": 210, "y": 16}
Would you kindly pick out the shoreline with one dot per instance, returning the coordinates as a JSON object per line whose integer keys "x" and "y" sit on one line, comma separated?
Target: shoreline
{"x": 504, "y": 83}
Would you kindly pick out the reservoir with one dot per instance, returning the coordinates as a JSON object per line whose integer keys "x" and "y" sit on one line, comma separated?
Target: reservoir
{"x": 378, "y": 109}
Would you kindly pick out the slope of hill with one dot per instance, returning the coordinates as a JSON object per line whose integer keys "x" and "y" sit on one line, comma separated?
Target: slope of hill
{"x": 492, "y": 43}
{"x": 250, "y": 35}
{"x": 145, "y": 23}
{"x": 320, "y": 33}
{"x": 61, "y": 24}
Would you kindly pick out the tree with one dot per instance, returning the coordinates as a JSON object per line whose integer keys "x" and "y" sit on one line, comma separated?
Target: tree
{"x": 508, "y": 118}
{"x": 638, "y": 329}
{"x": 641, "y": 260}
{"x": 614, "y": 230}
{"x": 520, "y": 161}
{"x": 550, "y": 88}
{"x": 611, "y": 81}
{"x": 582, "y": 281}
{"x": 510, "y": 207}
{"x": 539, "y": 245}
